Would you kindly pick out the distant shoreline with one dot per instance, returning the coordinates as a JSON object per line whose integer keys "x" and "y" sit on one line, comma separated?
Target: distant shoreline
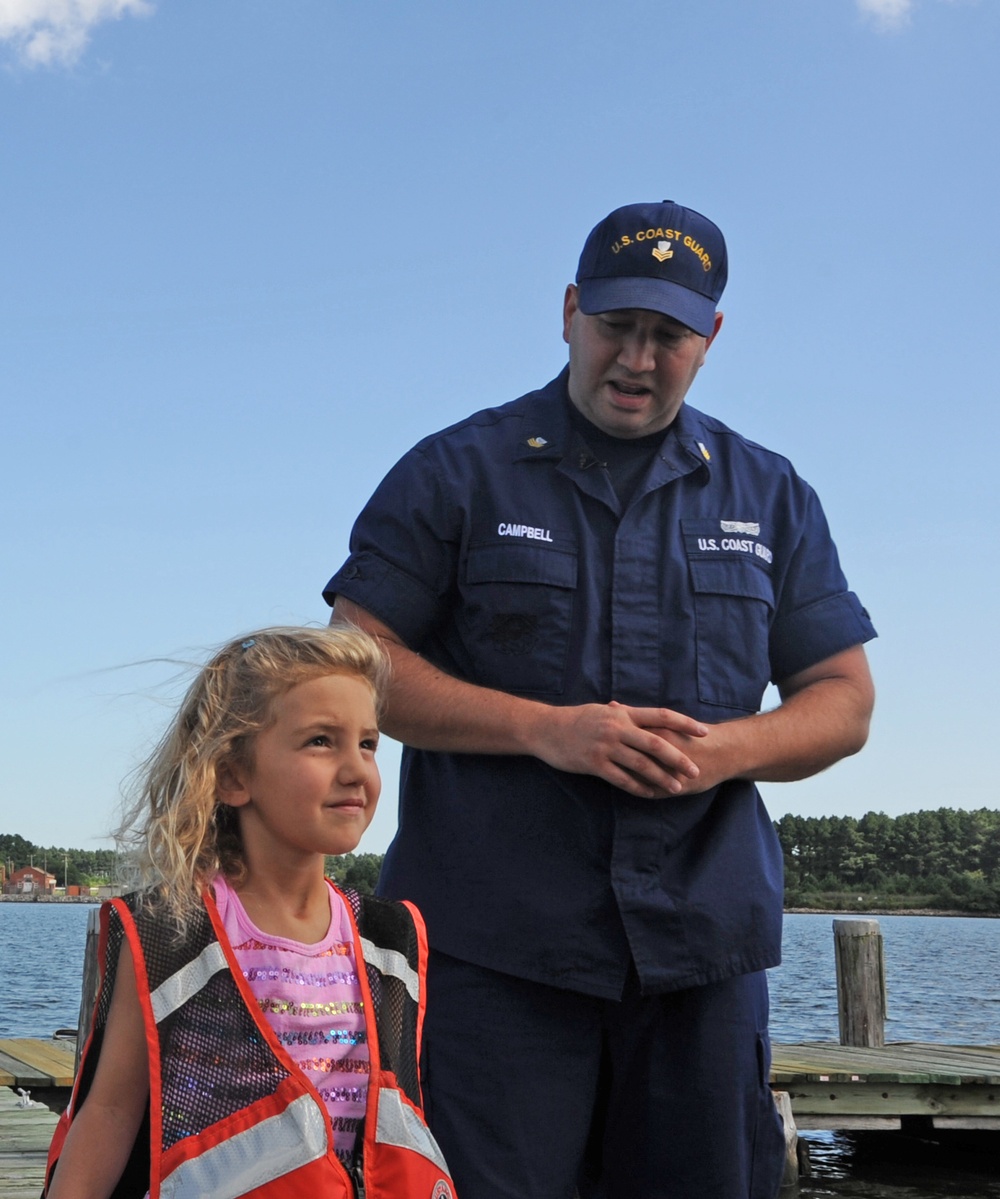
{"x": 848, "y": 913}
{"x": 845, "y": 913}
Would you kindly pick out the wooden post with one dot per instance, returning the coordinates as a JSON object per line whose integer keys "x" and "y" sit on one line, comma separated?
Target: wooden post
{"x": 91, "y": 978}
{"x": 860, "y": 982}
{"x": 790, "y": 1176}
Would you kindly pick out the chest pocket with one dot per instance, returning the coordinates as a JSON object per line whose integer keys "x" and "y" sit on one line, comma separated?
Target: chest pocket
{"x": 733, "y": 606}
{"x": 516, "y": 615}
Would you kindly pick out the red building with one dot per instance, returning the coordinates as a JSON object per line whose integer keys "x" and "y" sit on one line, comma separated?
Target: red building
{"x": 30, "y": 880}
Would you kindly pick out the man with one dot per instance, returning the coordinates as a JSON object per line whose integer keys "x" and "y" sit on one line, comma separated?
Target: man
{"x": 584, "y": 594}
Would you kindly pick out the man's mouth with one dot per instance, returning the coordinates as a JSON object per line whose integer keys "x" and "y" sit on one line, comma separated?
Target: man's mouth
{"x": 629, "y": 391}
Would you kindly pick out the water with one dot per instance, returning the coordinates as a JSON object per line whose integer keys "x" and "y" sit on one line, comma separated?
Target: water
{"x": 942, "y": 979}
{"x": 942, "y": 974}
{"x": 41, "y": 958}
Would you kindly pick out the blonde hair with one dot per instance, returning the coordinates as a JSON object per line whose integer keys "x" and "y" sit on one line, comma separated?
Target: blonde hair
{"x": 184, "y": 835}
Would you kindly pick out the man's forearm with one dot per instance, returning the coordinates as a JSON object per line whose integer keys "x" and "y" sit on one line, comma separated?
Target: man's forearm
{"x": 429, "y": 709}
{"x": 824, "y": 716}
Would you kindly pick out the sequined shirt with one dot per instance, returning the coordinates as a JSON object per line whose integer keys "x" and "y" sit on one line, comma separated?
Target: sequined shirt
{"x": 311, "y": 997}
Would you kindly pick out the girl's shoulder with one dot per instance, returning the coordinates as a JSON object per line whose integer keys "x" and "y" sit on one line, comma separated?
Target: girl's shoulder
{"x": 388, "y": 923}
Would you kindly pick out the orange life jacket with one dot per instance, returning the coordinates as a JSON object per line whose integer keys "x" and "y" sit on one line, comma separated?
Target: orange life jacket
{"x": 229, "y": 1113}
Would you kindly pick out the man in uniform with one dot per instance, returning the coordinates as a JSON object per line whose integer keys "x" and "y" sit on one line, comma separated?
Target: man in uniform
{"x": 584, "y": 594}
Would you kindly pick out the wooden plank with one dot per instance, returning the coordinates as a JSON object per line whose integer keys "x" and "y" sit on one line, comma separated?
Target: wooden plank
{"x": 23, "y": 1181}
{"x": 42, "y": 1063}
{"x": 848, "y": 1123}
{"x": 21, "y": 1074}
{"x": 891, "y": 1099}
{"x": 974, "y": 1123}
{"x": 25, "y": 1134}
{"x": 50, "y": 1055}
{"x": 904, "y": 1062}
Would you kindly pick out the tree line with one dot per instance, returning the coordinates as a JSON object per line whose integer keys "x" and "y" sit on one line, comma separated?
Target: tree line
{"x": 86, "y": 867}
{"x": 93, "y": 867}
{"x": 943, "y": 859}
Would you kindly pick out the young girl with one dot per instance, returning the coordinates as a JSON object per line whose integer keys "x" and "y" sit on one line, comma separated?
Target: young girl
{"x": 257, "y": 1030}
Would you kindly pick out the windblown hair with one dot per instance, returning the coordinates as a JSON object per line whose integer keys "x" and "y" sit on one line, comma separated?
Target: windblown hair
{"x": 183, "y": 834}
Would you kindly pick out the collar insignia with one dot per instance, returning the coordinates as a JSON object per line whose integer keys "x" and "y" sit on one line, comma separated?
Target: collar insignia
{"x": 704, "y": 453}
{"x": 537, "y": 443}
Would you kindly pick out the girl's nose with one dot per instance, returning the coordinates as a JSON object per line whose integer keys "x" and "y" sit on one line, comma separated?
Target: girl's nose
{"x": 354, "y": 767}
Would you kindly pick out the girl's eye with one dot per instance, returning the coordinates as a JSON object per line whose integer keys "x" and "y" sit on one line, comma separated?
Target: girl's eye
{"x": 370, "y": 743}
{"x": 320, "y": 739}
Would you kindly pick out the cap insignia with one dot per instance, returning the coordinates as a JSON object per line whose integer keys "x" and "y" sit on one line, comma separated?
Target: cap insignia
{"x": 663, "y": 251}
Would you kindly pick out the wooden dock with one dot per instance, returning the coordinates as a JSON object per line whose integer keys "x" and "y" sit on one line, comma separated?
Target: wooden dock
{"x": 44, "y": 1068}
{"x": 24, "y": 1143}
{"x": 900, "y": 1085}
{"x": 29, "y": 1062}
{"x": 922, "y": 1086}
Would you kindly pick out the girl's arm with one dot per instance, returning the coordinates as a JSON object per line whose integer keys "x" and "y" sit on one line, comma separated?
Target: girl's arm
{"x": 101, "y": 1136}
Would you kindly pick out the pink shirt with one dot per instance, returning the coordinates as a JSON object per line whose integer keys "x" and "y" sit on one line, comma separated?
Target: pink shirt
{"x": 311, "y": 997}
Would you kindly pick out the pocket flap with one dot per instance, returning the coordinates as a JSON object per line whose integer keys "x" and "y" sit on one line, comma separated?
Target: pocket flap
{"x": 520, "y": 564}
{"x": 729, "y": 576}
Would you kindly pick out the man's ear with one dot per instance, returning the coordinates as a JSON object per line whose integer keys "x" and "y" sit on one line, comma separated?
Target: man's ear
{"x": 570, "y": 308}
{"x": 230, "y": 787}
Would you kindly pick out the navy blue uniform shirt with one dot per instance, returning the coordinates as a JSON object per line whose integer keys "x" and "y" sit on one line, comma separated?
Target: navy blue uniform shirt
{"x": 499, "y": 550}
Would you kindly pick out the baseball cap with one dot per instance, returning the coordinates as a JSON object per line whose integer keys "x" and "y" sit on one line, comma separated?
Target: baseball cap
{"x": 663, "y": 257}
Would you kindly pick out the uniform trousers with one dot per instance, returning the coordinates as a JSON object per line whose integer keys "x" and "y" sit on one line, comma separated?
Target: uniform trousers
{"x": 534, "y": 1092}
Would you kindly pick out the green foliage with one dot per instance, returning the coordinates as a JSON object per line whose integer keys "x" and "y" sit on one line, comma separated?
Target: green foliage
{"x": 945, "y": 859}
{"x": 91, "y": 867}
{"x": 359, "y": 871}
{"x": 86, "y": 866}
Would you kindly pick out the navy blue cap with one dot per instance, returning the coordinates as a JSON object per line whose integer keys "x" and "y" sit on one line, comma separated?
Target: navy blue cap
{"x": 662, "y": 257}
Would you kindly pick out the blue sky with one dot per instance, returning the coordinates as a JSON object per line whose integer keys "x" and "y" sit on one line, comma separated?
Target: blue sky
{"x": 253, "y": 250}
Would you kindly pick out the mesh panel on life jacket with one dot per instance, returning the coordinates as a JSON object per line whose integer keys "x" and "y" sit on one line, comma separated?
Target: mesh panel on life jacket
{"x": 213, "y": 1058}
{"x": 390, "y": 924}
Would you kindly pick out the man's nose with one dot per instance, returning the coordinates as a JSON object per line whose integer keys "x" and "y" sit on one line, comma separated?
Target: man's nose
{"x": 638, "y": 354}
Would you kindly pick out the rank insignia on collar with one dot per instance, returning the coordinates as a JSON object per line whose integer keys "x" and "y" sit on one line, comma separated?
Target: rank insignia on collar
{"x": 537, "y": 443}
{"x": 704, "y": 452}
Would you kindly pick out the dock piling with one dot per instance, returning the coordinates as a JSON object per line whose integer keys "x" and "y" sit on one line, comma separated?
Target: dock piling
{"x": 91, "y": 979}
{"x": 790, "y": 1176}
{"x": 861, "y": 1002}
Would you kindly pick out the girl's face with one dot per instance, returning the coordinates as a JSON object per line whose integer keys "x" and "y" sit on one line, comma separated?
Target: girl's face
{"x": 313, "y": 785}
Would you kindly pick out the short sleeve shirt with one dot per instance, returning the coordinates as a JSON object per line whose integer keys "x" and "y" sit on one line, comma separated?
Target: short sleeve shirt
{"x": 499, "y": 550}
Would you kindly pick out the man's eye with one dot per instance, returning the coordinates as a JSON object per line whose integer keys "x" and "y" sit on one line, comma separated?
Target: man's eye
{"x": 370, "y": 743}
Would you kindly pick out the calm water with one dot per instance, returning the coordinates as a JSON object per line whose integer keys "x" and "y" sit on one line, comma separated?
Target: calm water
{"x": 942, "y": 974}
{"x": 41, "y": 951}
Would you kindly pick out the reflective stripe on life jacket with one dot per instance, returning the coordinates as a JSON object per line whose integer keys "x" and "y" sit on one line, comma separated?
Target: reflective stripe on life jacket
{"x": 230, "y": 1114}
